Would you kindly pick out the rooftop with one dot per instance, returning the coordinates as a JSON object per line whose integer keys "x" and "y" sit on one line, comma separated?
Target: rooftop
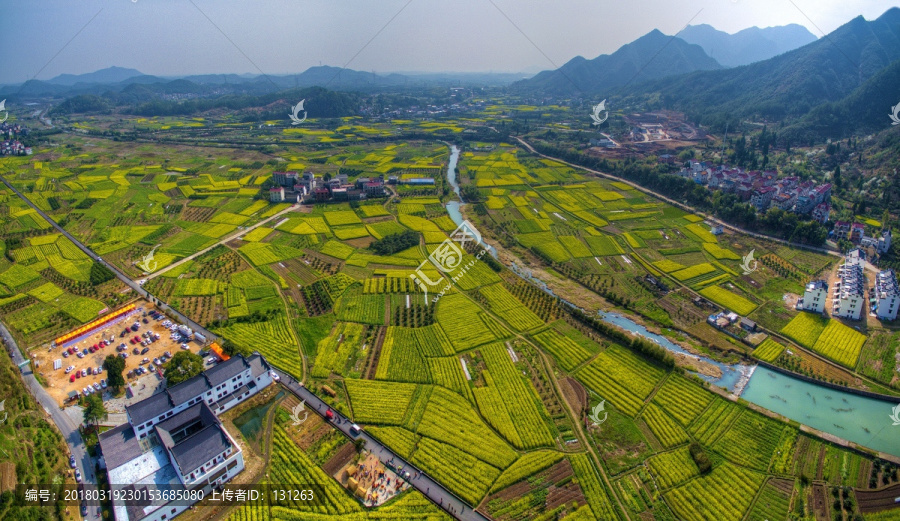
{"x": 817, "y": 284}
{"x": 169, "y": 398}
{"x": 193, "y": 436}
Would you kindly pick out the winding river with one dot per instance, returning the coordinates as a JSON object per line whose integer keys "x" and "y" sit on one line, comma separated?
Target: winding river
{"x": 863, "y": 420}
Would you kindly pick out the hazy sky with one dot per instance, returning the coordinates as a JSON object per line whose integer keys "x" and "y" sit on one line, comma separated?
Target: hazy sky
{"x": 173, "y": 37}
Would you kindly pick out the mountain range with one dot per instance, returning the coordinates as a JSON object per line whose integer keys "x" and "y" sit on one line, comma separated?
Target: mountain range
{"x": 651, "y": 56}
{"x": 749, "y": 45}
{"x": 789, "y": 85}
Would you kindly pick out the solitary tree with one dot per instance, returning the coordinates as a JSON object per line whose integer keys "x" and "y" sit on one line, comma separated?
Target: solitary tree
{"x": 182, "y": 366}
{"x": 114, "y": 366}
{"x": 94, "y": 410}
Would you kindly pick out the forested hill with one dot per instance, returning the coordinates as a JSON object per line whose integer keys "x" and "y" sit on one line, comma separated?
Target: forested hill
{"x": 651, "y": 56}
{"x": 320, "y": 103}
{"x": 789, "y": 85}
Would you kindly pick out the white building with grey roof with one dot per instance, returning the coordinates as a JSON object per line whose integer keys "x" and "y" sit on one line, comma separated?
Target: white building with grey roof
{"x": 849, "y": 296}
{"x": 174, "y": 441}
{"x": 885, "y": 296}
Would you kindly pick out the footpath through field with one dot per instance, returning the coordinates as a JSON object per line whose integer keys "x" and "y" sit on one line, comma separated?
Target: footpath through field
{"x": 425, "y": 484}
{"x": 238, "y": 233}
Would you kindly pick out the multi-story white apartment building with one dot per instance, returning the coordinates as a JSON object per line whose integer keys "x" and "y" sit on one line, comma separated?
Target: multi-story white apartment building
{"x": 174, "y": 441}
{"x": 815, "y": 296}
{"x": 849, "y": 296}
{"x": 885, "y": 296}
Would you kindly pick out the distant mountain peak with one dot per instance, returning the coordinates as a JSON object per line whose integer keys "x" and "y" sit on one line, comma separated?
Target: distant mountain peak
{"x": 112, "y": 74}
{"x": 654, "y": 55}
{"x": 749, "y": 45}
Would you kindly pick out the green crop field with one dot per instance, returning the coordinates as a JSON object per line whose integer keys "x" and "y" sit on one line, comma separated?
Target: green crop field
{"x": 840, "y": 343}
{"x": 805, "y": 328}
{"x": 724, "y": 493}
{"x": 485, "y": 386}
{"x": 693, "y": 271}
{"x": 728, "y": 300}
{"x": 673, "y": 468}
{"x": 768, "y": 351}
{"x": 566, "y": 351}
{"x": 682, "y": 399}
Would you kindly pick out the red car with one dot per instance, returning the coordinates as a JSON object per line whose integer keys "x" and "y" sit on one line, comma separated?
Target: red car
{"x": 77, "y": 374}
{"x": 136, "y": 339}
{"x": 72, "y": 378}
{"x": 96, "y": 347}
{"x": 72, "y": 350}
{"x": 132, "y": 341}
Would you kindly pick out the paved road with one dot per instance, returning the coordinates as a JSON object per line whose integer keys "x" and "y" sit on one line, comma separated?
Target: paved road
{"x": 63, "y": 421}
{"x": 423, "y": 483}
{"x": 238, "y": 233}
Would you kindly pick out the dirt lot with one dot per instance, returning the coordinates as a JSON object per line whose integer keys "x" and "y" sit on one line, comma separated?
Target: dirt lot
{"x": 57, "y": 381}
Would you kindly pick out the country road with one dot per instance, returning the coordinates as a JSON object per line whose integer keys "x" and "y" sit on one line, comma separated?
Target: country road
{"x": 238, "y": 233}
{"x": 424, "y": 484}
{"x": 63, "y": 421}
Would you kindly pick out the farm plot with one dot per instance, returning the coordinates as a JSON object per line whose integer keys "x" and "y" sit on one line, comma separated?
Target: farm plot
{"x": 432, "y": 341}
{"x": 338, "y": 250}
{"x": 262, "y": 253}
{"x": 693, "y": 271}
{"x": 291, "y": 465}
{"x": 196, "y": 287}
{"x": 338, "y": 350}
{"x": 666, "y": 430}
{"x": 447, "y": 372}
{"x": 768, "y": 351}
{"x": 682, "y": 399}
{"x": 840, "y": 343}
{"x": 355, "y": 306}
{"x": 719, "y": 252}
{"x": 774, "y": 501}
{"x": 459, "y": 318}
{"x": 673, "y": 468}
{"x": 575, "y": 247}
{"x": 622, "y": 377}
{"x": 502, "y": 303}
{"x": 450, "y": 418}
{"x": 566, "y": 351}
{"x": 527, "y": 465}
{"x": 805, "y": 328}
{"x": 668, "y": 266}
{"x": 398, "y": 439}
{"x": 714, "y": 421}
{"x": 279, "y": 347}
{"x": 751, "y": 440}
{"x": 467, "y": 476}
{"x": 400, "y": 359}
{"x": 342, "y": 217}
{"x": 592, "y": 487}
{"x": 603, "y": 245}
{"x": 701, "y": 231}
{"x": 521, "y": 400}
{"x": 724, "y": 494}
{"x": 728, "y": 300}
{"x": 379, "y": 403}
{"x": 46, "y": 292}
{"x": 384, "y": 228}
{"x": 477, "y": 276}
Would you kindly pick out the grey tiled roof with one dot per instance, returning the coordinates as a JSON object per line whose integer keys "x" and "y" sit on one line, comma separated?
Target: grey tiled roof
{"x": 119, "y": 446}
{"x": 162, "y": 402}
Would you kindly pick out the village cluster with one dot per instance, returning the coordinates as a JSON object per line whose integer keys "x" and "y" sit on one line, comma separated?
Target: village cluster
{"x": 308, "y": 187}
